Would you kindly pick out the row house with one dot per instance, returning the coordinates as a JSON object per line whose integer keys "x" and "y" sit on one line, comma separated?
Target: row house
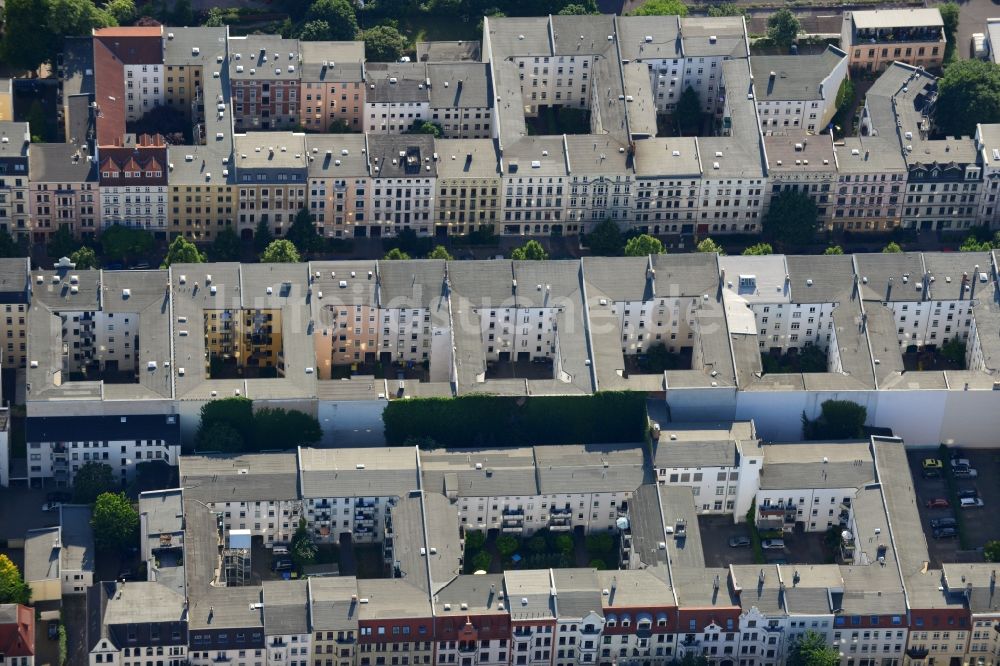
{"x": 875, "y": 39}
{"x": 799, "y": 161}
{"x": 798, "y": 94}
{"x": 667, "y": 185}
{"x": 601, "y": 185}
{"x": 201, "y": 193}
{"x": 272, "y": 178}
{"x": 287, "y": 629}
{"x": 333, "y": 613}
{"x": 333, "y": 86}
{"x": 471, "y": 624}
{"x": 338, "y": 184}
{"x": 535, "y": 177}
{"x": 158, "y": 635}
{"x": 14, "y": 301}
{"x": 17, "y": 633}
{"x": 133, "y": 186}
{"x": 398, "y": 97}
{"x": 469, "y": 185}
{"x": 63, "y": 191}
{"x": 404, "y": 183}
{"x": 265, "y": 79}
{"x": 15, "y": 143}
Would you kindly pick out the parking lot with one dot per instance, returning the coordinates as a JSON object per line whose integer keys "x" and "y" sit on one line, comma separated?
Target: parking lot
{"x": 800, "y": 547}
{"x": 980, "y": 524}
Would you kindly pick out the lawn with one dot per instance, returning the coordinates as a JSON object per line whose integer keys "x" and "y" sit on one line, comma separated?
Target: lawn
{"x": 429, "y": 28}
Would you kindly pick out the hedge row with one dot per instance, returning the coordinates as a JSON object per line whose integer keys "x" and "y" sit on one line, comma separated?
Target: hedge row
{"x": 488, "y": 420}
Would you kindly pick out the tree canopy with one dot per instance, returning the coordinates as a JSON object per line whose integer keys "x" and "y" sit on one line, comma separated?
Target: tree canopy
{"x": 968, "y": 93}
{"x": 892, "y": 248}
{"x": 262, "y": 236}
{"x": 231, "y": 425}
{"x": 84, "y": 258}
{"x": 440, "y": 252}
{"x": 834, "y": 250}
{"x": 709, "y": 245}
{"x": 339, "y": 16}
{"x": 530, "y": 251}
{"x": 426, "y": 127}
{"x": 605, "y": 240}
{"x": 13, "y": 589}
{"x": 574, "y": 9}
{"x": 303, "y": 233}
{"x": 125, "y": 243}
{"x": 303, "y": 548}
{"x": 758, "y": 249}
{"x": 838, "y": 419}
{"x": 643, "y": 245}
{"x": 182, "y": 251}
{"x": 783, "y": 27}
{"x": 281, "y": 251}
{"x": 286, "y": 427}
{"x": 811, "y": 649}
{"x": 316, "y": 30}
{"x": 791, "y": 219}
{"x": 12, "y": 248}
{"x": 226, "y": 246}
{"x": 92, "y": 480}
{"x": 395, "y": 254}
{"x": 991, "y": 552}
{"x": 662, "y": 8}
{"x": 34, "y": 29}
{"x": 114, "y": 521}
{"x": 61, "y": 243}
{"x": 236, "y": 412}
{"x": 384, "y": 43}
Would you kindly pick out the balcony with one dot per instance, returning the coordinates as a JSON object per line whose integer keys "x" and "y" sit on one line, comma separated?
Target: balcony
{"x": 917, "y": 652}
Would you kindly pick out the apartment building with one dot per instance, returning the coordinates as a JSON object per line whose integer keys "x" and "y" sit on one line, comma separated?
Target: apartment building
{"x": 988, "y": 145}
{"x": 15, "y": 142}
{"x": 59, "y": 560}
{"x": 334, "y": 620}
{"x": 874, "y": 39}
{"x": 129, "y": 78}
{"x": 17, "y": 634}
{"x": 333, "y": 86}
{"x": 798, "y": 161}
{"x": 63, "y": 191}
{"x": 667, "y": 185}
{"x": 272, "y": 176}
{"x": 415, "y": 324}
{"x": 798, "y": 92}
{"x": 871, "y": 184}
{"x": 141, "y": 622}
{"x": 471, "y": 624}
{"x": 535, "y": 180}
{"x": 347, "y": 314}
{"x": 707, "y": 44}
{"x": 398, "y": 97}
{"x": 404, "y": 183}
{"x": 14, "y": 297}
{"x": 133, "y": 185}
{"x": 201, "y": 193}
{"x": 600, "y": 183}
{"x": 339, "y": 184}
{"x": 460, "y": 100}
{"x": 469, "y": 185}
{"x": 287, "y": 630}
{"x": 721, "y": 465}
{"x": 265, "y": 75}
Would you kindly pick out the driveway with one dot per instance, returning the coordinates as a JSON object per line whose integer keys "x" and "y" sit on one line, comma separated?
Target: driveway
{"x": 715, "y": 533}
{"x": 74, "y": 615}
{"x": 46, "y": 651}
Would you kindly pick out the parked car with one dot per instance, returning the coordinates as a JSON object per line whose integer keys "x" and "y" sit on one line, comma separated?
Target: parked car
{"x": 58, "y": 496}
{"x": 971, "y": 492}
{"x": 970, "y": 502}
{"x": 739, "y": 542}
{"x": 965, "y": 473}
{"x": 930, "y": 473}
{"x": 53, "y": 629}
{"x": 51, "y": 506}
{"x": 937, "y": 503}
{"x": 281, "y": 564}
{"x": 944, "y": 522}
{"x": 960, "y": 462}
{"x": 931, "y": 463}
{"x": 772, "y": 544}
{"x": 279, "y": 550}
{"x": 945, "y": 533}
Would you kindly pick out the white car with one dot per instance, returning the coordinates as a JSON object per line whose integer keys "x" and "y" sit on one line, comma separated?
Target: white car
{"x": 772, "y": 544}
{"x": 970, "y": 502}
{"x": 51, "y": 506}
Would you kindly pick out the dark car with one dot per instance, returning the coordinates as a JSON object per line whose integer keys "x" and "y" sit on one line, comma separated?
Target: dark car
{"x": 739, "y": 542}
{"x": 971, "y": 493}
{"x": 58, "y": 496}
{"x": 53, "y": 629}
{"x": 943, "y": 522}
{"x": 281, "y": 564}
{"x": 945, "y": 533}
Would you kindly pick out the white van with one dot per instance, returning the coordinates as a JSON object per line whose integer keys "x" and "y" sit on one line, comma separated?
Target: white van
{"x": 279, "y": 550}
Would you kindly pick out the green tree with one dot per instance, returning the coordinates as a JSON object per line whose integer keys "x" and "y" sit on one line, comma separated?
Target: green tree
{"x": 991, "y": 551}
{"x": 564, "y": 543}
{"x": 221, "y": 437}
{"x": 481, "y": 561}
{"x": 183, "y": 13}
{"x": 289, "y": 427}
{"x": 316, "y": 30}
{"x": 281, "y": 251}
{"x": 507, "y": 545}
{"x": 124, "y": 243}
{"x": 339, "y": 16}
{"x": 688, "y": 112}
{"x": 973, "y": 244}
{"x": 759, "y": 249}
{"x": 845, "y": 94}
{"x": 950, "y": 15}
{"x": 892, "y": 248}
{"x": 530, "y": 251}
{"x": 725, "y": 9}
{"x": 811, "y": 649}
{"x": 600, "y": 543}
{"x": 662, "y": 8}
{"x": 25, "y": 42}
{"x": 833, "y": 250}
{"x": 236, "y": 412}
{"x": 838, "y": 419}
{"x": 783, "y": 27}
{"x": 76, "y": 17}
{"x": 91, "y": 480}
{"x": 226, "y": 246}
{"x": 968, "y": 93}
{"x": 384, "y": 43}
{"x": 440, "y": 252}
{"x": 395, "y": 254}
{"x": 339, "y": 126}
{"x": 61, "y": 243}
{"x": 953, "y": 350}
{"x": 13, "y": 589}
{"x": 303, "y": 232}
{"x": 474, "y": 540}
{"x": 426, "y": 127}
{"x": 709, "y": 245}
{"x": 122, "y": 10}
{"x": 182, "y": 251}
{"x": 574, "y": 9}
{"x": 537, "y": 545}
{"x": 303, "y": 548}
{"x": 115, "y": 522}
{"x": 791, "y": 219}
{"x": 643, "y": 245}
{"x": 10, "y": 247}
{"x": 37, "y": 122}
{"x": 262, "y": 236}
{"x": 605, "y": 240}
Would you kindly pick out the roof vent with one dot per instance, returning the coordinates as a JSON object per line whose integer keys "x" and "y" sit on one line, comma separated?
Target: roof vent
{"x": 712, "y": 39}
{"x": 359, "y": 466}
{"x": 649, "y": 38}
{"x": 126, "y": 292}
